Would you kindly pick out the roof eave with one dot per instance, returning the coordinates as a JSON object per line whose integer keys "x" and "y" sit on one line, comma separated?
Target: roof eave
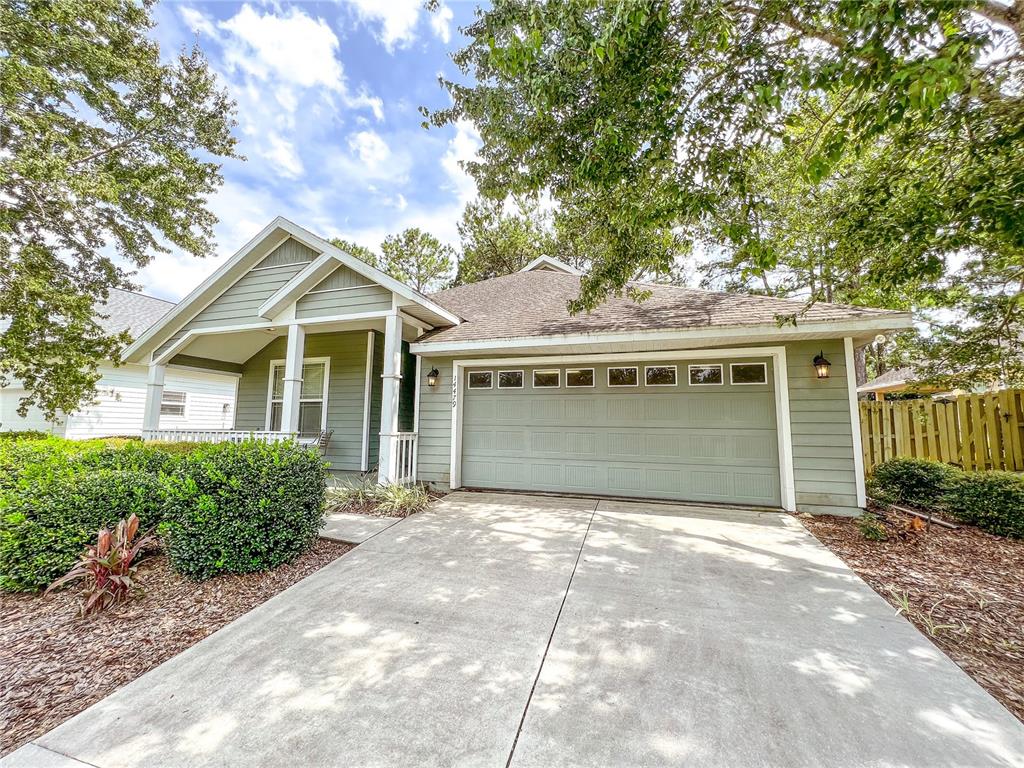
{"x": 856, "y": 327}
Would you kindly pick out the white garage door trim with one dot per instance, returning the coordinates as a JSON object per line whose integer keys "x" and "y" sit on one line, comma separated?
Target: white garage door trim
{"x": 778, "y": 355}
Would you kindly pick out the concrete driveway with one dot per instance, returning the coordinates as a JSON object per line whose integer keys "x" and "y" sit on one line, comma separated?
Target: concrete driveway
{"x": 498, "y": 630}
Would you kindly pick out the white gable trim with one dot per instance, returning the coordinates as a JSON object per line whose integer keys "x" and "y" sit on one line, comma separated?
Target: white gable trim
{"x": 301, "y": 282}
{"x": 242, "y": 261}
{"x": 548, "y": 263}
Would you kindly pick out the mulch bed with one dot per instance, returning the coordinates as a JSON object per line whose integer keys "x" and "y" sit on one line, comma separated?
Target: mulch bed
{"x": 56, "y": 664}
{"x": 964, "y": 587}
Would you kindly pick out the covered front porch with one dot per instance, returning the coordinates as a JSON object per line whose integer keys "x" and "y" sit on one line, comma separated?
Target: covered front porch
{"x": 345, "y": 387}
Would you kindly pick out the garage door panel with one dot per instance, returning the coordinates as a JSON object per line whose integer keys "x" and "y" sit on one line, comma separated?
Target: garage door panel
{"x": 692, "y": 443}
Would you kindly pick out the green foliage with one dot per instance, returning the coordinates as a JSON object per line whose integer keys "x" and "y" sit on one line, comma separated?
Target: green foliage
{"x": 108, "y": 154}
{"x": 993, "y": 501}
{"x": 917, "y": 483}
{"x": 417, "y": 258}
{"x": 837, "y": 148}
{"x": 359, "y": 251}
{"x": 386, "y": 500}
{"x": 239, "y": 508}
{"x": 872, "y": 528}
{"x": 24, "y": 434}
{"x": 496, "y": 242}
{"x": 49, "y": 518}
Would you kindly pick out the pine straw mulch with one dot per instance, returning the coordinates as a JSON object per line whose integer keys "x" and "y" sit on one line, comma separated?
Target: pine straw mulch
{"x": 963, "y": 588}
{"x": 56, "y": 664}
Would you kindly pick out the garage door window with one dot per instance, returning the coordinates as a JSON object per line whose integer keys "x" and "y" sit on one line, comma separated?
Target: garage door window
{"x": 579, "y": 377}
{"x": 660, "y": 375}
{"x": 705, "y": 375}
{"x": 623, "y": 377}
{"x": 748, "y": 373}
{"x": 546, "y": 379}
{"x": 480, "y": 380}
{"x": 510, "y": 379}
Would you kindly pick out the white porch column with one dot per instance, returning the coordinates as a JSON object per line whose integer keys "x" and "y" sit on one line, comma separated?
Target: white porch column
{"x": 292, "y": 378}
{"x": 154, "y": 394}
{"x": 392, "y": 376}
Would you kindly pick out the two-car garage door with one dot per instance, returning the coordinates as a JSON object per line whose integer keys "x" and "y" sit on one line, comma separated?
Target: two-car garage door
{"x": 700, "y": 430}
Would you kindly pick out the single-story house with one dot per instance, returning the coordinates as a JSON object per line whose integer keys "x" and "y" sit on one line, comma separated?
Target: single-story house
{"x": 193, "y": 398}
{"x": 691, "y": 395}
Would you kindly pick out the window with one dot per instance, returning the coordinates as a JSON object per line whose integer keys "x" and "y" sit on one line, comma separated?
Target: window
{"x": 480, "y": 380}
{"x": 510, "y": 379}
{"x": 705, "y": 375}
{"x": 748, "y": 373}
{"x": 173, "y": 403}
{"x": 660, "y": 375}
{"x": 546, "y": 379}
{"x": 312, "y": 395}
{"x": 623, "y": 377}
{"x": 579, "y": 377}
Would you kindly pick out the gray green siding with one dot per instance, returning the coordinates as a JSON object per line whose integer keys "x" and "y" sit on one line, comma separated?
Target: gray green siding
{"x": 822, "y": 436}
{"x": 822, "y": 442}
{"x": 240, "y": 303}
{"x": 376, "y": 390}
{"x": 343, "y": 292}
{"x": 347, "y": 352}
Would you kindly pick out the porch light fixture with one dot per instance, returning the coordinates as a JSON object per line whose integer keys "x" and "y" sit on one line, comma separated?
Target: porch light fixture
{"x": 432, "y": 377}
{"x": 822, "y": 366}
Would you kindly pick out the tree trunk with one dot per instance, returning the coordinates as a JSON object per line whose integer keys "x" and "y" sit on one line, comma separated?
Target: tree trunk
{"x": 860, "y": 365}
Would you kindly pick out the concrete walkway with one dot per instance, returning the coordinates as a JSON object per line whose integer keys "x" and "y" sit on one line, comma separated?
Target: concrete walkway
{"x": 354, "y": 529}
{"x": 511, "y": 630}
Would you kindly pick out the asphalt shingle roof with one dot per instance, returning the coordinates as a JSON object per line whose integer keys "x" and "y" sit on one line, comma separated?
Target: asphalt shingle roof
{"x": 527, "y": 304}
{"x": 895, "y": 376}
{"x": 132, "y": 312}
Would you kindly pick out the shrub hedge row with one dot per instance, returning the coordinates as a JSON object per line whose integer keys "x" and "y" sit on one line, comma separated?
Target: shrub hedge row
{"x": 993, "y": 501}
{"x": 229, "y": 508}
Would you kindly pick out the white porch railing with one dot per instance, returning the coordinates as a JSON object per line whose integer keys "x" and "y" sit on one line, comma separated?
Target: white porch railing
{"x": 405, "y": 458}
{"x": 221, "y": 436}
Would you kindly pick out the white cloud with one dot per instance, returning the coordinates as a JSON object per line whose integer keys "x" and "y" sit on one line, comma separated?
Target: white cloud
{"x": 462, "y": 147}
{"x": 294, "y": 48}
{"x": 282, "y": 154}
{"x": 197, "y": 21}
{"x": 441, "y": 23}
{"x": 397, "y": 19}
{"x": 371, "y": 149}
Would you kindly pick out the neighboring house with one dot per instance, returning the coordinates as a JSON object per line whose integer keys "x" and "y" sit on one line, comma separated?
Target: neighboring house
{"x": 691, "y": 395}
{"x": 193, "y": 399}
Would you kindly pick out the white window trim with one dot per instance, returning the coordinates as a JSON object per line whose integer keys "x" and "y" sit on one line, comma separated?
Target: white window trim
{"x": 780, "y": 380}
{"x": 522, "y": 378}
{"x": 556, "y": 371}
{"x": 734, "y": 383}
{"x": 593, "y": 378}
{"x": 721, "y": 370}
{"x": 327, "y": 385}
{"x": 675, "y": 375}
{"x": 184, "y": 404}
{"x": 489, "y": 386}
{"x": 608, "y": 375}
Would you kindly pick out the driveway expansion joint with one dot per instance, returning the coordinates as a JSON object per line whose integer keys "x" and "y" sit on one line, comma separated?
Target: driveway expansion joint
{"x": 551, "y": 635}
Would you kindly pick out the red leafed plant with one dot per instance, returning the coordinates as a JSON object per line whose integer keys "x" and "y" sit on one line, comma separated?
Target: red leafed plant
{"x": 107, "y": 567}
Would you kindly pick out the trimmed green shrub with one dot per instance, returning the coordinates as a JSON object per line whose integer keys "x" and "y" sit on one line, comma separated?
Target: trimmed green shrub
{"x": 51, "y": 515}
{"x": 239, "y": 508}
{"x": 916, "y": 482}
{"x": 993, "y": 501}
{"x": 24, "y": 434}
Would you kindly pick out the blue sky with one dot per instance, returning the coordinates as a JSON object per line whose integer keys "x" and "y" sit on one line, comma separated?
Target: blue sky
{"x": 327, "y": 120}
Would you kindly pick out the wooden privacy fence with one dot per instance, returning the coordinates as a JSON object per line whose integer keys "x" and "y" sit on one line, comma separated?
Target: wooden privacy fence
{"x": 974, "y": 431}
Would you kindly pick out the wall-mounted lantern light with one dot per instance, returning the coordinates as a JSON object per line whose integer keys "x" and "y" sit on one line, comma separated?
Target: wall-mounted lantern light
{"x": 432, "y": 376}
{"x": 822, "y": 366}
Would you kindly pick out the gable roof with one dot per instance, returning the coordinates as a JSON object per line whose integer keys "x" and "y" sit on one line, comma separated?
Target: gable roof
{"x": 251, "y": 254}
{"x": 893, "y": 378}
{"x": 130, "y": 311}
{"x": 533, "y": 304}
{"x": 553, "y": 265}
